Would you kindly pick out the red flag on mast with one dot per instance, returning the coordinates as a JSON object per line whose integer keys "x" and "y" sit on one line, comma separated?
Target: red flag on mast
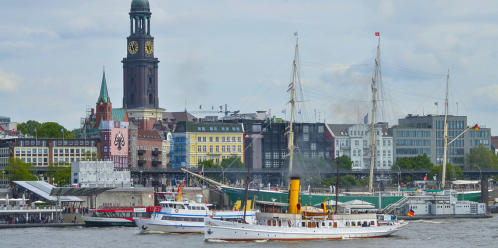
{"x": 377, "y": 33}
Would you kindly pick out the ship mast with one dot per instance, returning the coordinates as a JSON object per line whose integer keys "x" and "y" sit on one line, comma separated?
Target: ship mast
{"x": 292, "y": 101}
{"x": 372, "y": 123}
{"x": 445, "y": 133}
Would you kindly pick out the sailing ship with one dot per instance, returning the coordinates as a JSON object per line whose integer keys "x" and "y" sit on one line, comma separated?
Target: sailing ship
{"x": 299, "y": 224}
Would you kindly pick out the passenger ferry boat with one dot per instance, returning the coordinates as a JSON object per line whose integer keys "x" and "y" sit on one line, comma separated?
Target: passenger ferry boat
{"x": 118, "y": 216}
{"x": 302, "y": 225}
{"x": 177, "y": 216}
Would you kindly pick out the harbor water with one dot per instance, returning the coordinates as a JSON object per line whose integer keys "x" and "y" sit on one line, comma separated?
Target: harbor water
{"x": 433, "y": 233}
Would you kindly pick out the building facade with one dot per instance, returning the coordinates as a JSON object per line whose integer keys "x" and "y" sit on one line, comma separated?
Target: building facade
{"x": 353, "y": 140}
{"x": 416, "y": 135}
{"x": 89, "y": 174}
{"x": 4, "y": 161}
{"x": 194, "y": 142}
{"x": 115, "y": 144}
{"x": 149, "y": 149}
{"x": 41, "y": 153}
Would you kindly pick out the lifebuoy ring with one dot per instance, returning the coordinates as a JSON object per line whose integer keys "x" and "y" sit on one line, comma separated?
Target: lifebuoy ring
{"x": 176, "y": 210}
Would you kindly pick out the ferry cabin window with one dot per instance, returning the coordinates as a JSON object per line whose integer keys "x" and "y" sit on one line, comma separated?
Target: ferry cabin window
{"x": 303, "y": 224}
{"x": 188, "y": 219}
{"x": 372, "y": 223}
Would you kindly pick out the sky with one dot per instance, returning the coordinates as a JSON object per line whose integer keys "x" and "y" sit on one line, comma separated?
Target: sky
{"x": 240, "y": 53}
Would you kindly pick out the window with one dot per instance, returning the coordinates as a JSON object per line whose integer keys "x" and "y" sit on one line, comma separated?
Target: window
{"x": 233, "y": 148}
{"x": 239, "y": 148}
{"x": 223, "y": 139}
{"x": 306, "y": 129}
{"x": 204, "y": 139}
{"x": 267, "y": 163}
{"x": 239, "y": 139}
{"x": 217, "y": 148}
{"x": 210, "y": 148}
{"x": 320, "y": 129}
{"x": 210, "y": 139}
{"x": 217, "y": 139}
{"x": 306, "y": 137}
{"x": 356, "y": 142}
{"x": 233, "y": 139}
{"x": 228, "y": 148}
{"x": 199, "y": 148}
{"x": 204, "y": 148}
{"x": 313, "y": 146}
{"x": 267, "y": 155}
{"x": 222, "y": 148}
{"x": 199, "y": 139}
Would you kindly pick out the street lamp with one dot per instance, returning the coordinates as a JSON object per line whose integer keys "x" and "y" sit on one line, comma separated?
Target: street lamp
{"x": 480, "y": 172}
{"x": 399, "y": 177}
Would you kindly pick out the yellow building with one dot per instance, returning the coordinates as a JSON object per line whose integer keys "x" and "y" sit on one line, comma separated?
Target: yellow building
{"x": 207, "y": 141}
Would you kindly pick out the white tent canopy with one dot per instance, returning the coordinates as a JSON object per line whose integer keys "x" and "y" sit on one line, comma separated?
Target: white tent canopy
{"x": 359, "y": 204}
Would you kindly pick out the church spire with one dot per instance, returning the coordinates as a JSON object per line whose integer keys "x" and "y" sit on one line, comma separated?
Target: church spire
{"x": 103, "y": 90}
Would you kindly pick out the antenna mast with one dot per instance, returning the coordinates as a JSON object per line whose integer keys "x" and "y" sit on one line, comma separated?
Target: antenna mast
{"x": 292, "y": 101}
{"x": 445, "y": 133}
{"x": 372, "y": 123}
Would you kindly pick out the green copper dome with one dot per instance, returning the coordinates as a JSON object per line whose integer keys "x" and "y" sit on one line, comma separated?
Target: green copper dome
{"x": 140, "y": 5}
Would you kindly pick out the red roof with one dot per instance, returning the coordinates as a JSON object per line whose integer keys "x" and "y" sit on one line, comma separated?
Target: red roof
{"x": 149, "y": 134}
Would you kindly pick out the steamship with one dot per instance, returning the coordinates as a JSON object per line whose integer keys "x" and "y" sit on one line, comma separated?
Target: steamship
{"x": 296, "y": 223}
{"x": 301, "y": 224}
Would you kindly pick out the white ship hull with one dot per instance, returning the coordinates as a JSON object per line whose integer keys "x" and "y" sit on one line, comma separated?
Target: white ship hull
{"x": 217, "y": 230}
{"x": 158, "y": 223}
{"x": 151, "y": 226}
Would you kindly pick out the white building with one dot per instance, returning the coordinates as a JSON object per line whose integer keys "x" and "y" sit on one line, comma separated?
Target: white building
{"x": 353, "y": 140}
{"x": 166, "y": 150}
{"x": 99, "y": 174}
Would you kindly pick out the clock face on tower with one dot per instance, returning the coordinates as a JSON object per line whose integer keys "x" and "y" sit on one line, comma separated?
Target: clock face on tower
{"x": 133, "y": 47}
{"x": 149, "y": 47}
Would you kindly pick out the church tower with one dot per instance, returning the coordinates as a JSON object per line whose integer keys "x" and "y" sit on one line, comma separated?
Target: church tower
{"x": 140, "y": 86}
{"x": 104, "y": 106}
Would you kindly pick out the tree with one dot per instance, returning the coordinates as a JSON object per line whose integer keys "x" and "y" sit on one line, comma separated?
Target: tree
{"x": 452, "y": 171}
{"x": 482, "y": 158}
{"x": 420, "y": 162}
{"x": 232, "y": 162}
{"x": 344, "y": 162}
{"x": 61, "y": 174}
{"x": 346, "y": 181}
{"x": 45, "y": 130}
{"x": 29, "y": 127}
{"x": 208, "y": 164}
{"x": 18, "y": 170}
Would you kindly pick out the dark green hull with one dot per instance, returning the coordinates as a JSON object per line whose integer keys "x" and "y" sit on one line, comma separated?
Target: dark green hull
{"x": 310, "y": 200}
